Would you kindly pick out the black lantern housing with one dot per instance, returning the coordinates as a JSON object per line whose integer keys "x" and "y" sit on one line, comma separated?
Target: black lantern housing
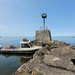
{"x": 44, "y": 15}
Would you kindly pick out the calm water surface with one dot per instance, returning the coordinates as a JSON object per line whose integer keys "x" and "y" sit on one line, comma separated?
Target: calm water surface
{"x": 10, "y": 63}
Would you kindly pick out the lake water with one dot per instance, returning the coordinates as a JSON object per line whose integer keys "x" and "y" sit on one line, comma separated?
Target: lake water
{"x": 10, "y": 63}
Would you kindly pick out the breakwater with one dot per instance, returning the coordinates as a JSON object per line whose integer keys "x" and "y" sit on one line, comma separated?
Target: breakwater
{"x": 56, "y": 58}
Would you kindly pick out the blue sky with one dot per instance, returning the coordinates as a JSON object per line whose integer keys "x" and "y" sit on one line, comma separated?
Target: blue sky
{"x": 23, "y": 17}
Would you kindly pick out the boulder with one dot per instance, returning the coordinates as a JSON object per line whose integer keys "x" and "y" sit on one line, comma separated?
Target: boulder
{"x": 43, "y": 51}
{"x": 56, "y": 44}
{"x": 57, "y": 62}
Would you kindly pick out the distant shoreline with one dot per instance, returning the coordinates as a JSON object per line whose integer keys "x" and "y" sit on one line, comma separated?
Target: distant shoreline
{"x": 73, "y": 36}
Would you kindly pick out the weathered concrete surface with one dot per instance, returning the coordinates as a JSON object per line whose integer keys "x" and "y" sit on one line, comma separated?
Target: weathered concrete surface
{"x": 43, "y": 35}
{"x": 56, "y": 58}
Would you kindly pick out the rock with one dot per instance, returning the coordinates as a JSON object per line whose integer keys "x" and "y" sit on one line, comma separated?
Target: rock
{"x": 36, "y": 66}
{"x": 58, "y": 62}
{"x": 43, "y": 51}
{"x": 38, "y": 43}
{"x": 73, "y": 47}
{"x": 56, "y": 58}
{"x": 64, "y": 52}
{"x": 57, "y": 44}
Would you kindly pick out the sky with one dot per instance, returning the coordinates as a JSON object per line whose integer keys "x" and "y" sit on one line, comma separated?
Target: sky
{"x": 23, "y": 17}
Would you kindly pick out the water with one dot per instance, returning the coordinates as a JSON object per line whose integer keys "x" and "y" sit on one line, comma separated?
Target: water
{"x": 10, "y": 63}
{"x": 12, "y": 40}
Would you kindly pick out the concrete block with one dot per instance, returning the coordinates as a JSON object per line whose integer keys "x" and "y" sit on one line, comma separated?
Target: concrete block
{"x": 43, "y": 35}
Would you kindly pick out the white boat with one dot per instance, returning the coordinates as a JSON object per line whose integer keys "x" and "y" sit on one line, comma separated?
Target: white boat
{"x": 25, "y": 47}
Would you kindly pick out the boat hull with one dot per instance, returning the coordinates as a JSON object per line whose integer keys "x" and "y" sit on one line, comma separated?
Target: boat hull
{"x": 20, "y": 50}
{"x": 17, "y": 51}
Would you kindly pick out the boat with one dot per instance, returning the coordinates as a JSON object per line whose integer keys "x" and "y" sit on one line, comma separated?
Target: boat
{"x": 25, "y": 47}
